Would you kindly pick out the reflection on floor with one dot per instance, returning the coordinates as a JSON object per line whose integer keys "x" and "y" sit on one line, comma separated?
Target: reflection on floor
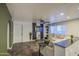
{"x": 25, "y": 49}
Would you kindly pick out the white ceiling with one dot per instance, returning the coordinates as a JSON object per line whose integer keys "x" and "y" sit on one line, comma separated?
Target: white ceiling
{"x": 48, "y": 11}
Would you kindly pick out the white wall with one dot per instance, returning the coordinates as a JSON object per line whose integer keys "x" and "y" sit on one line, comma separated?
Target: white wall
{"x": 72, "y": 27}
{"x": 21, "y": 31}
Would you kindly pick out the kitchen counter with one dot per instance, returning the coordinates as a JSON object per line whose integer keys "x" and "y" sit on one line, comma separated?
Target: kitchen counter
{"x": 64, "y": 43}
{"x": 66, "y": 48}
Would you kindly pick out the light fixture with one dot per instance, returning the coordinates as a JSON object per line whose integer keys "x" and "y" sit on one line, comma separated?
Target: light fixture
{"x": 61, "y": 14}
{"x": 78, "y": 8}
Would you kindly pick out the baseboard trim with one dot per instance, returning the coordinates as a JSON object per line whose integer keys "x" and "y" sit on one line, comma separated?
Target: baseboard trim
{"x": 4, "y": 54}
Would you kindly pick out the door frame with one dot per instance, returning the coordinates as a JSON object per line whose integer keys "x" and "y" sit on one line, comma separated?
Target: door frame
{"x": 8, "y": 36}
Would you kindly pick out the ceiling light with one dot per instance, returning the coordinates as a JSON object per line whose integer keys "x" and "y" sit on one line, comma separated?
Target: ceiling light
{"x": 78, "y": 8}
{"x": 61, "y": 14}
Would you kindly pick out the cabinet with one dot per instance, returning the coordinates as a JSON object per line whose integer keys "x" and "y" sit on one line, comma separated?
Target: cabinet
{"x": 21, "y": 31}
{"x": 72, "y": 50}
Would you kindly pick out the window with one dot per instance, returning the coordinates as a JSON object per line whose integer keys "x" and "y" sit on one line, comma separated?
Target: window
{"x": 58, "y": 29}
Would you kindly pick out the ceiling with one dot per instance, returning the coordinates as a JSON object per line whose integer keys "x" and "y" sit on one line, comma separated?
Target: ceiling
{"x": 53, "y": 12}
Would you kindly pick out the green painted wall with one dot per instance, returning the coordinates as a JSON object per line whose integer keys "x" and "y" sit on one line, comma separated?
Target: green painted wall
{"x": 4, "y": 18}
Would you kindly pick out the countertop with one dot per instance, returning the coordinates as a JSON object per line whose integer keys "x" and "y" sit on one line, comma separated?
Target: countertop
{"x": 64, "y": 43}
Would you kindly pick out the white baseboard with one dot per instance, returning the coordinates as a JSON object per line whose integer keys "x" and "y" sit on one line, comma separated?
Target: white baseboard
{"x": 4, "y": 54}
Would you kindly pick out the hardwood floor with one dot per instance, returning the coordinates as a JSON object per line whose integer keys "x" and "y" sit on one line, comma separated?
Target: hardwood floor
{"x": 25, "y": 49}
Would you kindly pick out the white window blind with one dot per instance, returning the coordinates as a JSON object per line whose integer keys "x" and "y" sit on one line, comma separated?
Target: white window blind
{"x": 58, "y": 29}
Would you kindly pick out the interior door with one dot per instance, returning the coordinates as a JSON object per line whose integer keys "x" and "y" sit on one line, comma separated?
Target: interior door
{"x": 26, "y": 30}
{"x": 17, "y": 33}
